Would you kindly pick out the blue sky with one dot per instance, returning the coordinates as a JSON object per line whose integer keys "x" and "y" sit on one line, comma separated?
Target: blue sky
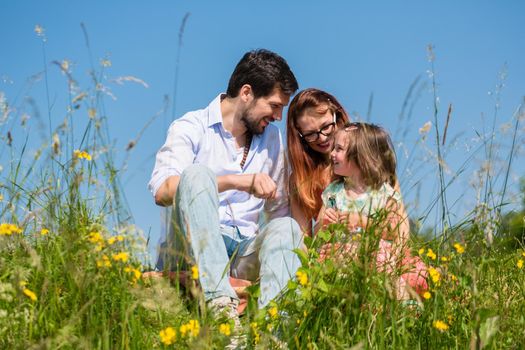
{"x": 357, "y": 51}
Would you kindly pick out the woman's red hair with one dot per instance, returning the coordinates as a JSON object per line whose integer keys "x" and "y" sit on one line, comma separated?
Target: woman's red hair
{"x": 308, "y": 178}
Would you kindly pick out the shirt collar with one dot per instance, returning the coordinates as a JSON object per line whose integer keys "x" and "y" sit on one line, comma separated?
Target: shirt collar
{"x": 215, "y": 114}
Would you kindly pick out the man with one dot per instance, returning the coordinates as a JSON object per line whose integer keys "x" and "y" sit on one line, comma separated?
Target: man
{"x": 221, "y": 168}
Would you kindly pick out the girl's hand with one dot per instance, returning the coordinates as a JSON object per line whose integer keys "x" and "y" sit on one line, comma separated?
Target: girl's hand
{"x": 355, "y": 222}
{"x": 331, "y": 216}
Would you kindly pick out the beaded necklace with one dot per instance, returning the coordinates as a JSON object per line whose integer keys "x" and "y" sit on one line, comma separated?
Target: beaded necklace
{"x": 247, "y": 145}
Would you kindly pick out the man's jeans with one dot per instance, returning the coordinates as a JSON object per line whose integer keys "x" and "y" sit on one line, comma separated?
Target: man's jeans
{"x": 222, "y": 250}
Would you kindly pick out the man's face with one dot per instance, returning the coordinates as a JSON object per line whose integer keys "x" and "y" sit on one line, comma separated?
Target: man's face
{"x": 263, "y": 110}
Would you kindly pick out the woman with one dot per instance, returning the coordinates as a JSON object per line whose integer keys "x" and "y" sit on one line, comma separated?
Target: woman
{"x": 313, "y": 117}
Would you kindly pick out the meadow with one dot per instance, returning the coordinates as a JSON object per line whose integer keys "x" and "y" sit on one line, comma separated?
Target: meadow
{"x": 71, "y": 262}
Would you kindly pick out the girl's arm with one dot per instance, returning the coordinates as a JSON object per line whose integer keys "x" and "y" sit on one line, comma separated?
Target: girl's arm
{"x": 397, "y": 225}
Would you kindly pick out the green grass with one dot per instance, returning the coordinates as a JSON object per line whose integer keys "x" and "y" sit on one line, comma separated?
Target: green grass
{"x": 70, "y": 265}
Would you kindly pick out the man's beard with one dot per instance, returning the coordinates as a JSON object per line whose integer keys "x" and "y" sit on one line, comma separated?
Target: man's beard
{"x": 252, "y": 125}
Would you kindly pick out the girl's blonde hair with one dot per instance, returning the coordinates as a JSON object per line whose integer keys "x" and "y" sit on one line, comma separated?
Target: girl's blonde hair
{"x": 371, "y": 148}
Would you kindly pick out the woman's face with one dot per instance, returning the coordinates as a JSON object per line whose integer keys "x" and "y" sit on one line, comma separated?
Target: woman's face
{"x": 317, "y": 130}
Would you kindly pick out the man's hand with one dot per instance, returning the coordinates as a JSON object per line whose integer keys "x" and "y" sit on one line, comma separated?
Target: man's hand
{"x": 260, "y": 185}
{"x": 263, "y": 186}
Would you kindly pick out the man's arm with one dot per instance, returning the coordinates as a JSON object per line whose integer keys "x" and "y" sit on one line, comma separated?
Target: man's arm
{"x": 260, "y": 185}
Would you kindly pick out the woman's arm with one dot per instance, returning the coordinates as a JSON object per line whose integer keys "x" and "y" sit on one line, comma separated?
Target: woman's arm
{"x": 297, "y": 213}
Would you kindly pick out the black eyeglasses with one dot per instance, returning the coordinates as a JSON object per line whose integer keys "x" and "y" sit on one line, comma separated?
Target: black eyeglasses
{"x": 326, "y": 130}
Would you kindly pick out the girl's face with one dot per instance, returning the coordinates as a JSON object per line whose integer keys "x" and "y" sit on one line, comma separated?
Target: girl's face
{"x": 317, "y": 131}
{"x": 341, "y": 165}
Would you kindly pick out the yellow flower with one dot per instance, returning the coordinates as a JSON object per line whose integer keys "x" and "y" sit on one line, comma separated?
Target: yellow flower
{"x": 434, "y": 275}
{"x": 192, "y": 328}
{"x": 225, "y": 329}
{"x": 255, "y": 330}
{"x": 427, "y": 295}
{"x": 440, "y": 326}
{"x": 31, "y": 295}
{"x": 44, "y": 231}
{"x": 459, "y": 248}
{"x": 82, "y": 155}
{"x": 95, "y": 237}
{"x": 519, "y": 264}
{"x": 104, "y": 262}
{"x": 302, "y": 277}
{"x": 523, "y": 254}
{"x": 122, "y": 256}
{"x": 421, "y": 251}
{"x": 9, "y": 229}
{"x": 431, "y": 254}
{"x": 194, "y": 272}
{"x": 168, "y": 336}
{"x": 136, "y": 273}
{"x": 444, "y": 259}
{"x": 453, "y": 277}
{"x": 272, "y": 312}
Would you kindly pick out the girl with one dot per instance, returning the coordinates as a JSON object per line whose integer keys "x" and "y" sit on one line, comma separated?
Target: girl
{"x": 363, "y": 196}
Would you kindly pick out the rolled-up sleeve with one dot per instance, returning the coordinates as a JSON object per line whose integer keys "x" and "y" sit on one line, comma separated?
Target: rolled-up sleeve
{"x": 178, "y": 151}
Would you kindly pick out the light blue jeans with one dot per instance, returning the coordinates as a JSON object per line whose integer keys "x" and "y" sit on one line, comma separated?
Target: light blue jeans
{"x": 221, "y": 251}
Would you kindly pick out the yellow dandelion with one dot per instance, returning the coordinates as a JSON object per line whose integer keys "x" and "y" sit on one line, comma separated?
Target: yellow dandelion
{"x": 95, "y": 237}
{"x": 255, "y": 330}
{"x": 44, "y": 231}
{"x": 431, "y": 254}
{"x": 31, "y": 295}
{"x": 194, "y": 327}
{"x": 519, "y": 264}
{"x": 81, "y": 155}
{"x": 168, "y": 336}
{"x": 111, "y": 240}
{"x": 194, "y": 272}
{"x": 122, "y": 256}
{"x": 427, "y": 295}
{"x": 273, "y": 312}
{"x": 523, "y": 254}
{"x": 104, "y": 262}
{"x": 136, "y": 273}
{"x": 444, "y": 259}
{"x": 434, "y": 275}
{"x": 459, "y": 248}
{"x": 421, "y": 251}
{"x": 302, "y": 277}
{"x": 440, "y": 326}
{"x": 225, "y": 329}
{"x": 453, "y": 277}
{"x": 9, "y": 229}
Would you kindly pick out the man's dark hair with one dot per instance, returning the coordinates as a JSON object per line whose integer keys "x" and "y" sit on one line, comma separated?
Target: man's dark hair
{"x": 262, "y": 70}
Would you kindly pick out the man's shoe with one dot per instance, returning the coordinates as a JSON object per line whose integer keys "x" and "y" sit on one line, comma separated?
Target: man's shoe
{"x": 225, "y": 309}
